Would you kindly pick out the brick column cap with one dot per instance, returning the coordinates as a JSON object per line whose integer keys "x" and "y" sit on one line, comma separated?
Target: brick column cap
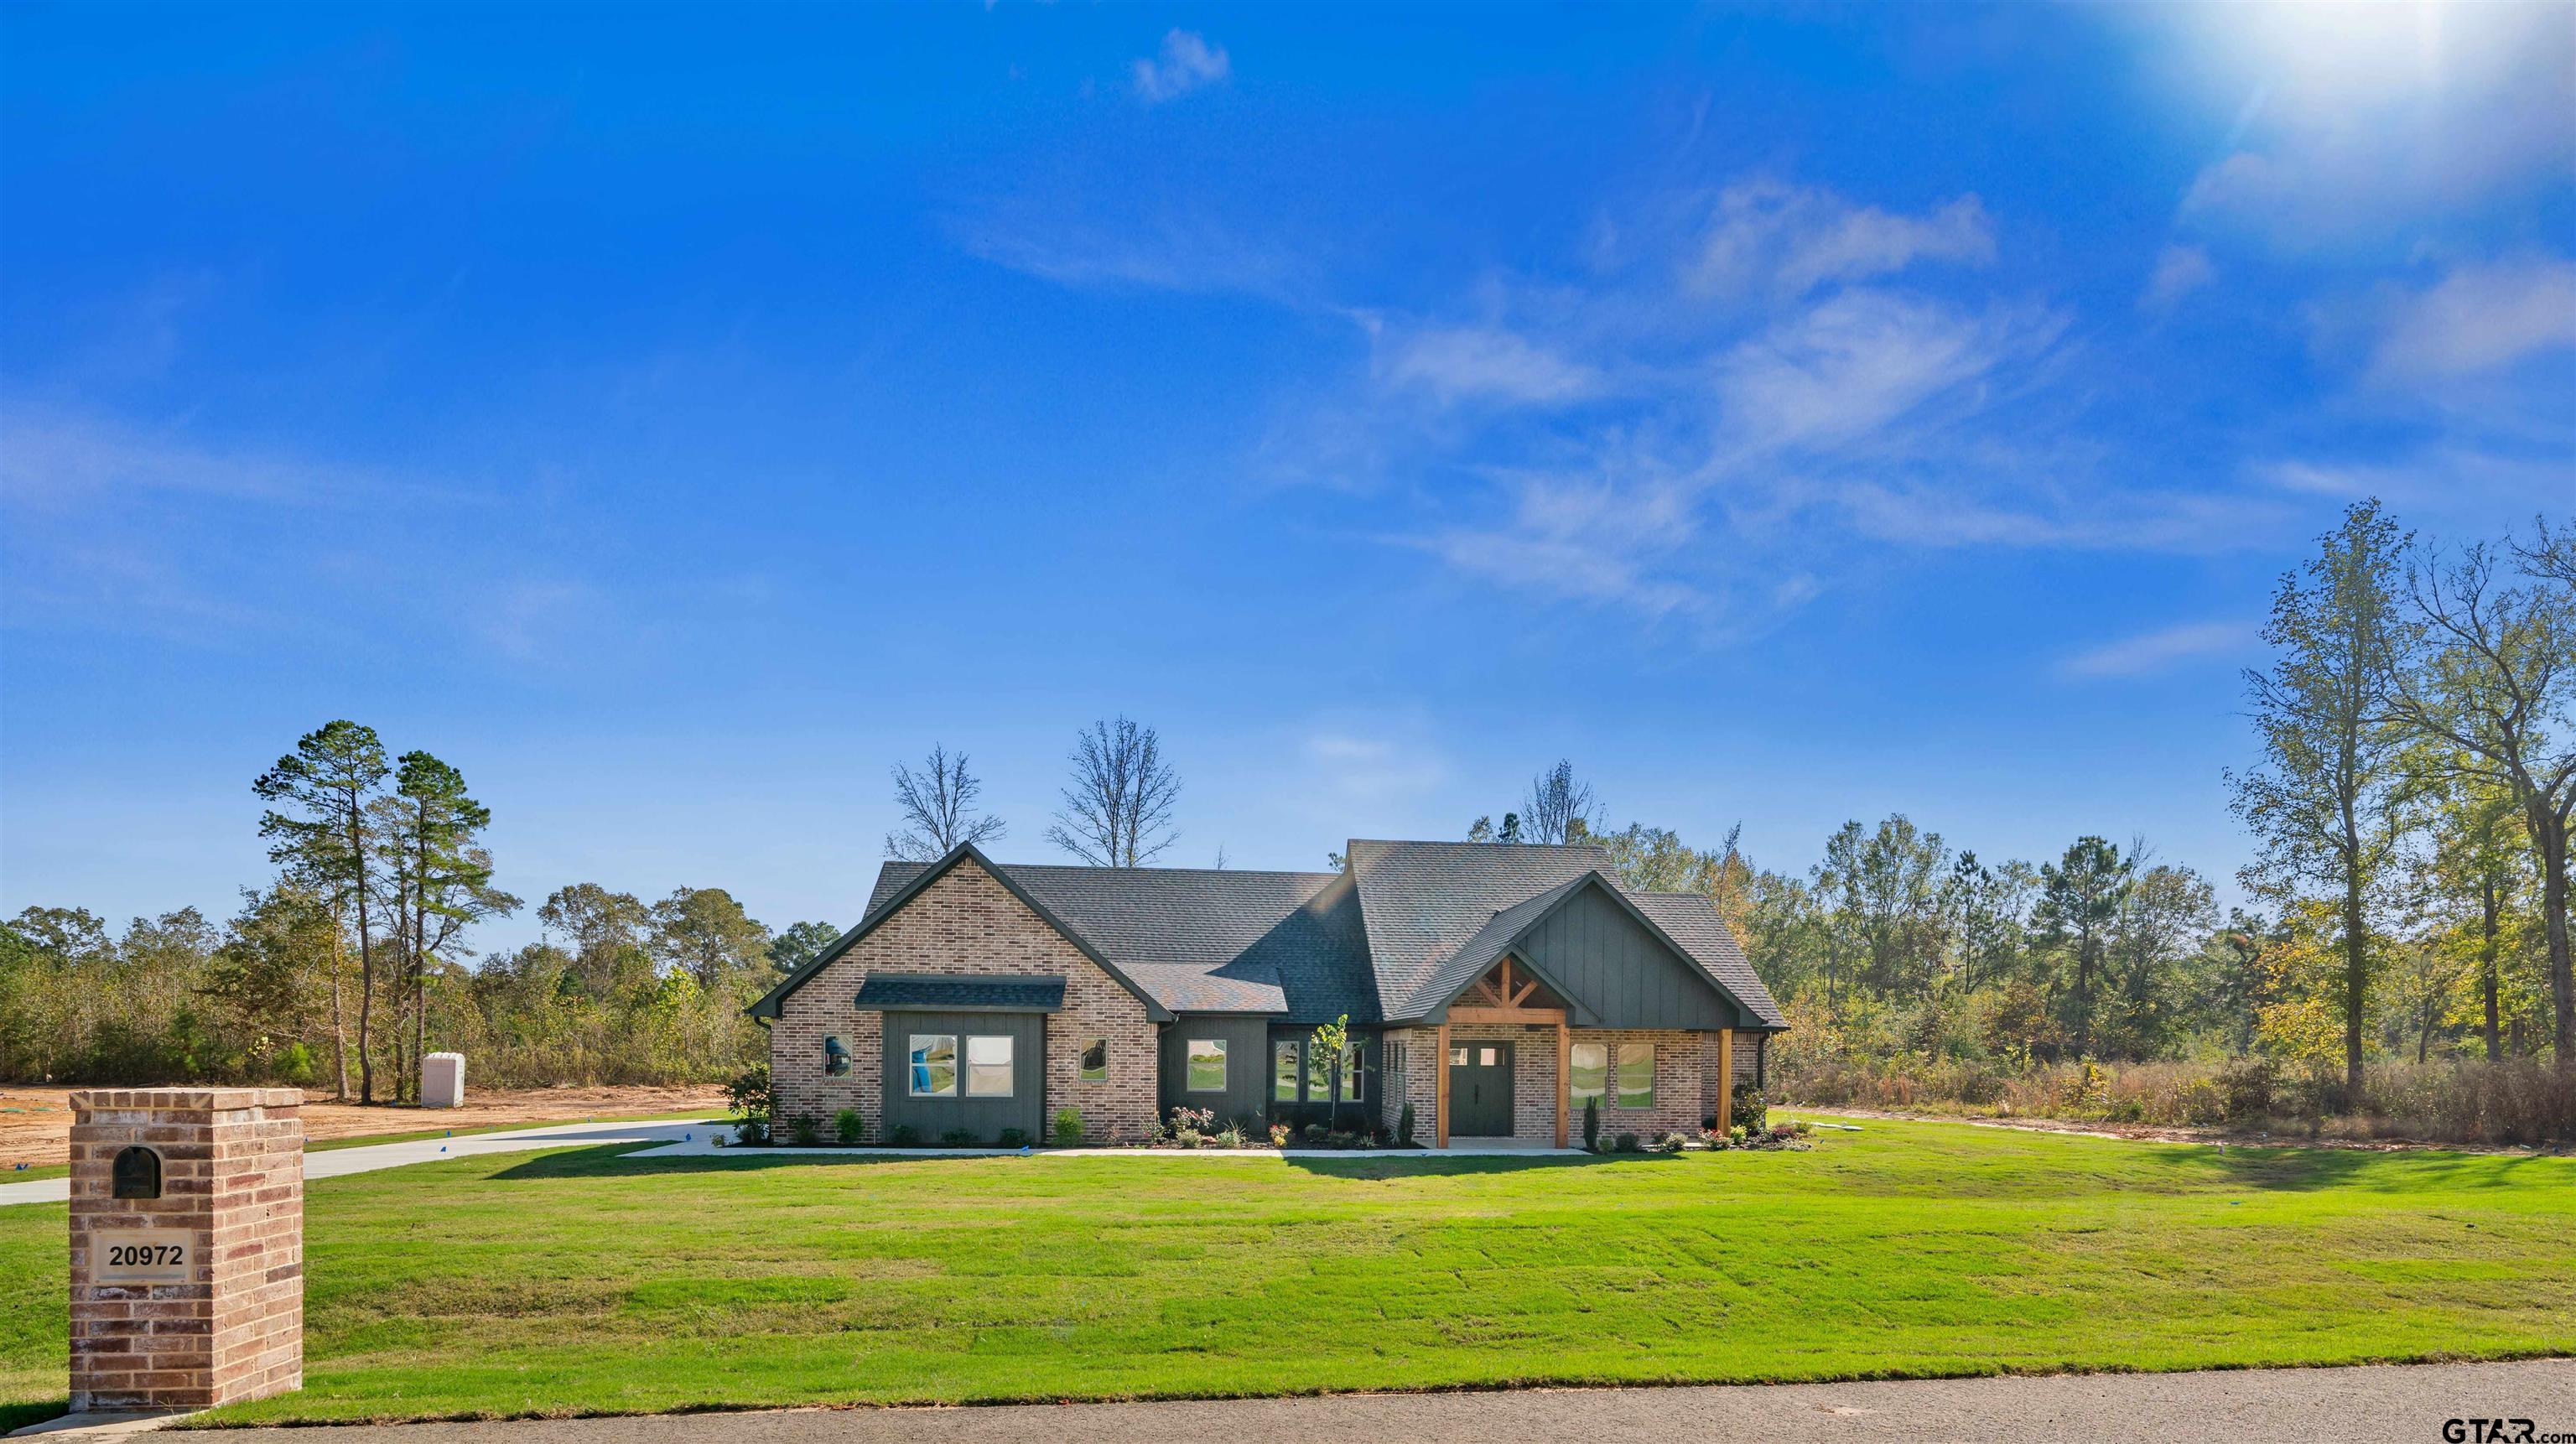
{"x": 193, "y": 1100}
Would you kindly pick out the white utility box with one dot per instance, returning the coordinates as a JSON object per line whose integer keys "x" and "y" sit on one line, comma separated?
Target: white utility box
{"x": 442, "y": 1080}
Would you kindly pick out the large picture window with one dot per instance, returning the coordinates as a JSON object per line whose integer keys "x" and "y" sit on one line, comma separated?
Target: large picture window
{"x": 988, "y": 1067}
{"x": 1636, "y": 1075}
{"x": 1283, "y": 1071}
{"x": 1319, "y": 1077}
{"x": 934, "y": 1065}
{"x": 1095, "y": 1060}
{"x": 1588, "y": 1070}
{"x": 1206, "y": 1065}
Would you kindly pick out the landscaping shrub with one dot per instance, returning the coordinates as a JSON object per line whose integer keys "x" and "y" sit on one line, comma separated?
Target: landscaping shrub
{"x": 1591, "y": 1123}
{"x": 1012, "y": 1138}
{"x": 805, "y": 1130}
{"x": 1674, "y": 1143}
{"x": 1188, "y": 1137}
{"x": 960, "y": 1138}
{"x": 905, "y": 1136}
{"x": 1628, "y": 1143}
{"x": 847, "y": 1127}
{"x": 1279, "y": 1135}
{"x": 1748, "y": 1110}
{"x": 1068, "y": 1128}
{"x": 1404, "y": 1127}
{"x": 1315, "y": 1135}
{"x": 749, "y": 1097}
{"x": 1232, "y": 1137}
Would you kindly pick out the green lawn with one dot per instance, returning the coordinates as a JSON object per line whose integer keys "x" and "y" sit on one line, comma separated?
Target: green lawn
{"x": 364, "y": 1140}
{"x": 579, "y": 1281}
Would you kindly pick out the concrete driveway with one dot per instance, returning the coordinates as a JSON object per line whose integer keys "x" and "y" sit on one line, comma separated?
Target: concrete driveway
{"x": 2401, "y": 1404}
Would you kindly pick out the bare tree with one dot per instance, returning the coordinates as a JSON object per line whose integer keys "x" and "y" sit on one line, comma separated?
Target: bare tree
{"x": 1559, "y": 808}
{"x": 1118, "y": 812}
{"x": 2487, "y": 673}
{"x": 938, "y": 802}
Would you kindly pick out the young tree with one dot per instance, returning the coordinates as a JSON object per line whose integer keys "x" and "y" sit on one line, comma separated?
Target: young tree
{"x": 1118, "y": 810}
{"x": 326, "y": 836}
{"x": 703, "y": 933}
{"x": 2487, "y": 673}
{"x": 1559, "y": 808}
{"x": 2079, "y": 896}
{"x": 799, "y": 944}
{"x": 1987, "y": 912}
{"x": 2323, "y": 804}
{"x": 938, "y": 809}
{"x": 1332, "y": 1042}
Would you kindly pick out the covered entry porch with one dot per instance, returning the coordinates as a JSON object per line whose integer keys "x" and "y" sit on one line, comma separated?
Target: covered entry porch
{"x": 1512, "y": 1062}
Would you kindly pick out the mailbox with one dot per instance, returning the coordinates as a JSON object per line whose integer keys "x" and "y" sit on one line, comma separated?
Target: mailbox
{"x": 136, "y": 1173}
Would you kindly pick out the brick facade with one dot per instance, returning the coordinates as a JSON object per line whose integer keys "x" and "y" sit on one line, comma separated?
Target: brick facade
{"x": 232, "y": 1181}
{"x": 1685, "y": 1079}
{"x": 967, "y": 924}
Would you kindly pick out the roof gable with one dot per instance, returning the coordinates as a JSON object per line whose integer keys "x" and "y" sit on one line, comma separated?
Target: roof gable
{"x": 1423, "y": 901}
{"x": 888, "y": 903}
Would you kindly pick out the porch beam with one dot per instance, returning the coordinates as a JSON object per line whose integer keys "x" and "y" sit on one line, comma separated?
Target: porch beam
{"x": 1725, "y": 1079}
{"x": 1540, "y": 1016}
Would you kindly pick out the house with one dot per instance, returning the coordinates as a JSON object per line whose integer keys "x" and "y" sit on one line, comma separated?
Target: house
{"x": 1494, "y": 987}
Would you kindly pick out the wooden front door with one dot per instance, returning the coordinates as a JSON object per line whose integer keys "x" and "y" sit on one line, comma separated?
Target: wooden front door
{"x": 1480, "y": 1090}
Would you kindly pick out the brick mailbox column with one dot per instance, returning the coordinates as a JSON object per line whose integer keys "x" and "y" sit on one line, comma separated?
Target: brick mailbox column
{"x": 187, "y": 1238}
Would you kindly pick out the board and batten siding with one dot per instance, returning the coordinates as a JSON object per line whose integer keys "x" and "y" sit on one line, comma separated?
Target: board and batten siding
{"x": 984, "y": 1117}
{"x": 1247, "y": 1066}
{"x": 1627, "y": 977}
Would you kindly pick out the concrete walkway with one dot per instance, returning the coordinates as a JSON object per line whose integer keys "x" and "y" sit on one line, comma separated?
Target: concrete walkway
{"x": 2403, "y": 1404}
{"x": 703, "y": 1140}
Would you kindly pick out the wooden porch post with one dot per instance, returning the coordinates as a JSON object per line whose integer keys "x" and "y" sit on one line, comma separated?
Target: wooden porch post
{"x": 1440, "y": 1129}
{"x": 1564, "y": 1079}
{"x": 1725, "y": 1079}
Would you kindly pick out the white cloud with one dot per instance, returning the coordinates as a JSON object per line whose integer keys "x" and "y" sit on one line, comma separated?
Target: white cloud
{"x": 1586, "y": 539}
{"x": 1187, "y": 63}
{"x": 1860, "y": 360}
{"x": 1460, "y": 363}
{"x": 2161, "y": 650}
{"x": 1768, "y": 237}
{"x": 1183, "y": 252}
{"x": 2478, "y": 319}
{"x": 2180, "y": 270}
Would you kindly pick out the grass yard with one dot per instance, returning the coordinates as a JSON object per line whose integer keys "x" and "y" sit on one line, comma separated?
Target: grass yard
{"x": 578, "y": 1281}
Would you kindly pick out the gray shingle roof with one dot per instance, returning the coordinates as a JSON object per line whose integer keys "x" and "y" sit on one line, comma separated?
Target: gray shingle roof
{"x": 1208, "y": 940}
{"x": 1407, "y": 926}
{"x": 919, "y": 992}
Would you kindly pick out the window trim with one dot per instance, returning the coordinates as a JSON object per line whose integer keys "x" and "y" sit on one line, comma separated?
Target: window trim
{"x": 1082, "y": 1070}
{"x": 1190, "y": 1064}
{"x": 1620, "y": 1074}
{"x": 1574, "y": 1090}
{"x": 1010, "y": 1066}
{"x": 917, "y": 1067}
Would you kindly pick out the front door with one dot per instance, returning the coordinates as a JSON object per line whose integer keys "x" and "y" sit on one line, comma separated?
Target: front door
{"x": 1480, "y": 1090}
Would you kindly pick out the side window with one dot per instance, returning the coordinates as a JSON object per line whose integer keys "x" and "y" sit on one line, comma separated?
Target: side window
{"x": 934, "y": 1065}
{"x": 1588, "y": 1069}
{"x": 1283, "y": 1071}
{"x": 1095, "y": 1060}
{"x": 988, "y": 1067}
{"x": 1352, "y": 1075}
{"x": 1206, "y": 1065}
{"x": 1636, "y": 1075}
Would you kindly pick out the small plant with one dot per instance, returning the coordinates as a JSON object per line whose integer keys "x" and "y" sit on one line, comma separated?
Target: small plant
{"x": 1736, "y": 1135}
{"x": 1342, "y": 1140}
{"x": 1674, "y": 1143}
{"x": 1279, "y": 1135}
{"x": 1201, "y": 1121}
{"x": 959, "y": 1138}
{"x": 806, "y": 1130}
{"x": 847, "y": 1127}
{"x": 1404, "y": 1127}
{"x": 1591, "y": 1125}
{"x": 1315, "y": 1135}
{"x": 750, "y": 1131}
{"x": 905, "y": 1136}
{"x": 1013, "y": 1138}
{"x": 1751, "y": 1110}
{"x": 1068, "y": 1128}
{"x": 1188, "y": 1137}
{"x": 1627, "y": 1143}
{"x": 749, "y": 1097}
{"x": 1232, "y": 1137}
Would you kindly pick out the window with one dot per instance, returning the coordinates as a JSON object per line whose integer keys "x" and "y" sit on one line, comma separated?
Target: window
{"x": 1457, "y": 1057}
{"x": 934, "y": 1065}
{"x": 1489, "y": 1057}
{"x": 1351, "y": 1074}
{"x": 988, "y": 1067}
{"x": 1095, "y": 1060}
{"x": 1636, "y": 1075}
{"x": 1319, "y": 1077}
{"x": 1207, "y": 1065}
{"x": 1283, "y": 1071}
{"x": 1588, "y": 1064}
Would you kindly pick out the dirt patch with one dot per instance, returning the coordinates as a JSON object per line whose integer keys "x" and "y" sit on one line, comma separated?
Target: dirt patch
{"x": 2165, "y": 1133}
{"x": 36, "y": 1123}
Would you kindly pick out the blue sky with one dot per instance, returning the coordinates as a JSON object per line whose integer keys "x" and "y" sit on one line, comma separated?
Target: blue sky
{"x": 675, "y": 416}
